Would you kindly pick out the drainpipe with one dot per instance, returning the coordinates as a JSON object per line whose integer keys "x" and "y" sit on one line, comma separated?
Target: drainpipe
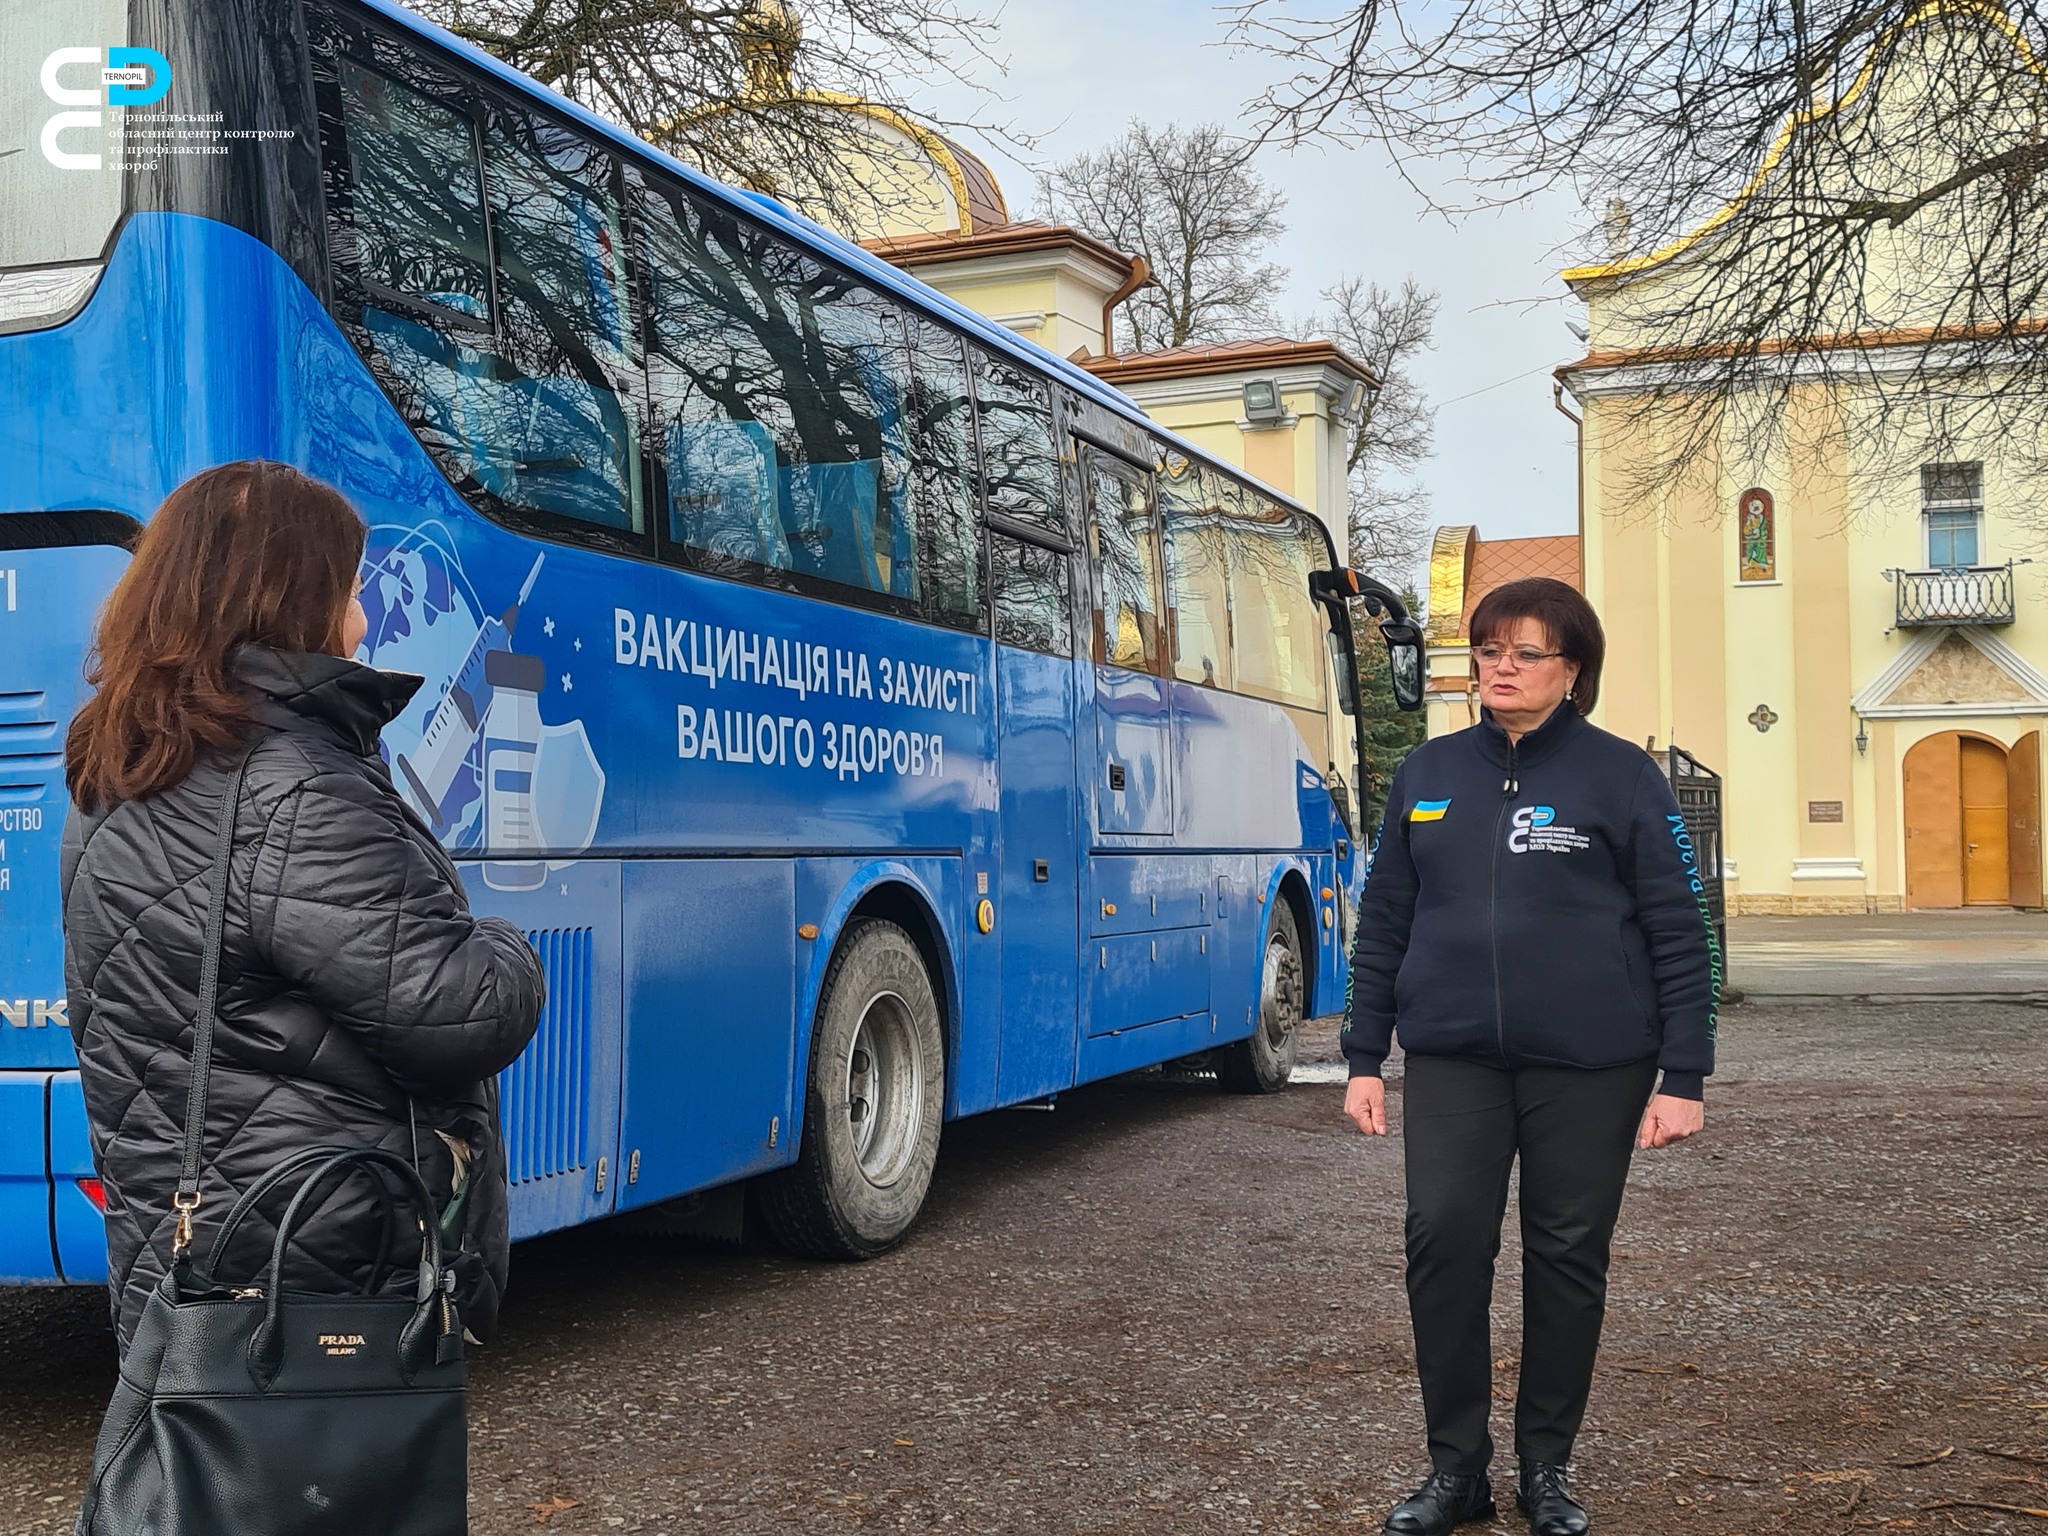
{"x": 1141, "y": 274}
{"x": 1579, "y": 460}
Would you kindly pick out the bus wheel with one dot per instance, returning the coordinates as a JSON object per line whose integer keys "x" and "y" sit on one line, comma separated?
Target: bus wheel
{"x": 1264, "y": 1062}
{"x": 876, "y": 1094}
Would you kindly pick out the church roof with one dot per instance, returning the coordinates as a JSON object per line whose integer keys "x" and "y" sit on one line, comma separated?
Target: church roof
{"x": 1224, "y": 357}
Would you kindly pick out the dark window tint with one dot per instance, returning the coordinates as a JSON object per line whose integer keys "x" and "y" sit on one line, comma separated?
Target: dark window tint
{"x": 1019, "y": 458}
{"x": 561, "y": 247}
{"x": 779, "y": 391}
{"x": 1032, "y": 595}
{"x": 1191, "y": 497}
{"x": 532, "y": 411}
{"x": 1277, "y": 626}
{"x": 1124, "y": 540}
{"x": 942, "y": 467}
{"x": 561, "y": 425}
{"x": 419, "y": 203}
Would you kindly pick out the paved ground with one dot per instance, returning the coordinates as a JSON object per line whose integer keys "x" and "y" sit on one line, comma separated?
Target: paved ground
{"x": 1948, "y": 954}
{"x": 1161, "y": 1311}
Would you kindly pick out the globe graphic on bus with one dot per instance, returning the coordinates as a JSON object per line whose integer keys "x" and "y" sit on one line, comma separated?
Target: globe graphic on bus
{"x": 423, "y": 618}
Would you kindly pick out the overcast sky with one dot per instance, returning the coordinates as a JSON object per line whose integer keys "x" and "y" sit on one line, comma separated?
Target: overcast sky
{"x": 1081, "y": 69}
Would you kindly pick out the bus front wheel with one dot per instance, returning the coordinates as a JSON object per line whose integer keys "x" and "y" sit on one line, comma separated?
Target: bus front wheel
{"x": 1264, "y": 1062}
{"x": 876, "y": 1095}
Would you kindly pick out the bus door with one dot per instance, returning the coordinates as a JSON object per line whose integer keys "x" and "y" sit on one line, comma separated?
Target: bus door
{"x": 1147, "y": 955}
{"x": 1133, "y": 715}
{"x": 1039, "y": 895}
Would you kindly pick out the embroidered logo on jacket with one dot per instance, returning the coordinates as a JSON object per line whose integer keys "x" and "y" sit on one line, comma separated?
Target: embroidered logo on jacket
{"x": 1429, "y": 810}
{"x": 1535, "y": 830}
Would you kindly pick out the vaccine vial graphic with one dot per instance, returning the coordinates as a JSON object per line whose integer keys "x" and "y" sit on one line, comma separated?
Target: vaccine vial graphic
{"x": 432, "y": 770}
{"x": 511, "y": 730}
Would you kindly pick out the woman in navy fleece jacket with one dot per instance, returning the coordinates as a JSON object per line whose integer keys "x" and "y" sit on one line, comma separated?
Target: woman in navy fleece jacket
{"x": 1535, "y": 931}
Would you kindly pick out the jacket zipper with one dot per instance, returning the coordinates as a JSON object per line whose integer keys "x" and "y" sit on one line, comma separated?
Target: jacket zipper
{"x": 1508, "y": 788}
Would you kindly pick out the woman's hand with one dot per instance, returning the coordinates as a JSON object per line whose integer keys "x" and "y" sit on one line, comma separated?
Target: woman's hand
{"x": 1365, "y": 1101}
{"x": 1667, "y": 1120}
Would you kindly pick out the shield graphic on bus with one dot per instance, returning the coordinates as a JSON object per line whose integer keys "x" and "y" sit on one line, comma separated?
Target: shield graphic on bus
{"x": 568, "y": 788}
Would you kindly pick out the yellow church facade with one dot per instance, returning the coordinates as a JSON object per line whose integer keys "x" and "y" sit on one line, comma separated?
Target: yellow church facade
{"x": 1858, "y": 645}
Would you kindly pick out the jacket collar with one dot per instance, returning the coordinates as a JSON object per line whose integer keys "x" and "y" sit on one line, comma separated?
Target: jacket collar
{"x": 1564, "y": 723}
{"x": 346, "y": 700}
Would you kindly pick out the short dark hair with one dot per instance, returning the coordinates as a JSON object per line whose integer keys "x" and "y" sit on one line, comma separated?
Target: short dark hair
{"x": 1566, "y": 616}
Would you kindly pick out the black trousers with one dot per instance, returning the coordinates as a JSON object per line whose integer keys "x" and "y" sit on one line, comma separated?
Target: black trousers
{"x": 1463, "y": 1125}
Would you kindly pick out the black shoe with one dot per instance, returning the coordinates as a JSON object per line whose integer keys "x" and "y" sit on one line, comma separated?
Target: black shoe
{"x": 1443, "y": 1502}
{"x": 1543, "y": 1497}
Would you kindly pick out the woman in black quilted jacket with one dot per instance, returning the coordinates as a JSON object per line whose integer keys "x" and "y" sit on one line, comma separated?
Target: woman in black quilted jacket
{"x": 360, "y": 1002}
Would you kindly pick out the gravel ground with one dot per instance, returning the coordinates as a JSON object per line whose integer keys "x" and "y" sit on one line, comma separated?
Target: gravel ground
{"x": 1161, "y": 1310}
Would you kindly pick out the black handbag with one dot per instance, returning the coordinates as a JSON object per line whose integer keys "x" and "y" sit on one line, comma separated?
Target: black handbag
{"x": 252, "y": 1411}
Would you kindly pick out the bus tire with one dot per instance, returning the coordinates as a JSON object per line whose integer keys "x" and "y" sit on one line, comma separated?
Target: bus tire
{"x": 1263, "y": 1062}
{"x": 875, "y": 1095}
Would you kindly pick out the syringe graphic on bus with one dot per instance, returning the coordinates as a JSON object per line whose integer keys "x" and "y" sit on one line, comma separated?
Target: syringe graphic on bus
{"x": 433, "y": 770}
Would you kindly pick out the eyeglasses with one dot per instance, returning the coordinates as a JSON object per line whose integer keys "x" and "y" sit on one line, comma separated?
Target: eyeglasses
{"x": 1525, "y": 656}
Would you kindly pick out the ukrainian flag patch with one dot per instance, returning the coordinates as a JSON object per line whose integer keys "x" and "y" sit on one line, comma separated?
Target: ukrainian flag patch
{"x": 1429, "y": 810}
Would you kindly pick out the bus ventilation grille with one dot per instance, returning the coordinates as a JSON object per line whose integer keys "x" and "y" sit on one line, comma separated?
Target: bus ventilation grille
{"x": 545, "y": 1094}
{"x": 31, "y": 748}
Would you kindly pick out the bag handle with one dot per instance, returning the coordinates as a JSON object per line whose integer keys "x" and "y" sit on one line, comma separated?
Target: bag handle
{"x": 266, "y": 1347}
{"x": 186, "y": 1201}
{"x": 275, "y": 1176}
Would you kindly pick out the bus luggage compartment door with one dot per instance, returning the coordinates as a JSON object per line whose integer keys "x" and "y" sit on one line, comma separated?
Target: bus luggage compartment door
{"x": 710, "y": 1049}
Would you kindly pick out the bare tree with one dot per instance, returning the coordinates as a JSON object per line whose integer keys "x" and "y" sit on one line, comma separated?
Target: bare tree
{"x": 1387, "y": 329}
{"x": 1836, "y": 193}
{"x": 747, "y": 90}
{"x": 1189, "y": 202}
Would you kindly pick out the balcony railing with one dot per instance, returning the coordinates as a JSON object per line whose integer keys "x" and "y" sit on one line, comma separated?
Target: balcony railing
{"x": 1977, "y": 594}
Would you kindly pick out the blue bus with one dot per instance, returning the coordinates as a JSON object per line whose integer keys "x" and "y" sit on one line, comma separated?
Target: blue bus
{"x": 870, "y": 718}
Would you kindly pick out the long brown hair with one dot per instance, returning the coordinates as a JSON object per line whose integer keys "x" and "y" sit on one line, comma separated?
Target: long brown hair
{"x": 248, "y": 553}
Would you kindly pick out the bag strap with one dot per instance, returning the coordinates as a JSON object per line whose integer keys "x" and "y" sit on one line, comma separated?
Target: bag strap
{"x": 186, "y": 1200}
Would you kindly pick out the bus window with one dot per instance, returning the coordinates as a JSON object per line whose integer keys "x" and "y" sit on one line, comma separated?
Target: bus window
{"x": 516, "y": 405}
{"x": 1124, "y": 539}
{"x": 562, "y": 435}
{"x": 1276, "y": 624}
{"x": 1019, "y": 462}
{"x": 942, "y": 469}
{"x": 561, "y": 249}
{"x": 1032, "y": 595}
{"x": 1197, "y": 573}
{"x": 778, "y": 387}
{"x": 419, "y": 200}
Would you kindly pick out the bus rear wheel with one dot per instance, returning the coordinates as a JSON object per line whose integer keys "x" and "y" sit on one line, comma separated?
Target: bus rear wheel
{"x": 1264, "y": 1062}
{"x": 875, "y": 1096}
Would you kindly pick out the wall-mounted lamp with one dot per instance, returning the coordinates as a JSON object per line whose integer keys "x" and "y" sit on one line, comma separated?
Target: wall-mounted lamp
{"x": 1862, "y": 736}
{"x": 1262, "y": 401}
{"x": 1354, "y": 401}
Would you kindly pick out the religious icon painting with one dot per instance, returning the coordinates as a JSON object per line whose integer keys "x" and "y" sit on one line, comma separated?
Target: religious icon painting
{"x": 1759, "y": 535}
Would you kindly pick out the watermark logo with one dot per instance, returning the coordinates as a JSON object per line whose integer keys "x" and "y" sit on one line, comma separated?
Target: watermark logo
{"x": 127, "y": 77}
{"x": 1535, "y": 830}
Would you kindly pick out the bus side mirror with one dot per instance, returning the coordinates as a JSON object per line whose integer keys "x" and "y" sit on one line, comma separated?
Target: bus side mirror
{"x": 1404, "y": 663}
{"x": 1404, "y": 639}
